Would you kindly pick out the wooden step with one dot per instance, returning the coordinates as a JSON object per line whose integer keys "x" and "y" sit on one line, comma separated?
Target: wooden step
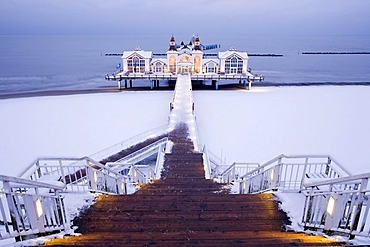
{"x": 185, "y": 209}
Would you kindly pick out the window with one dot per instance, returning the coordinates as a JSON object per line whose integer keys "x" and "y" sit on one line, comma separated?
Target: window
{"x": 211, "y": 68}
{"x": 196, "y": 64}
{"x": 172, "y": 64}
{"x": 158, "y": 67}
{"x": 184, "y": 59}
{"x": 136, "y": 64}
{"x": 234, "y": 65}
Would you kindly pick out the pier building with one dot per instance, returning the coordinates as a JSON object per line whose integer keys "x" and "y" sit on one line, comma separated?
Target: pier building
{"x": 186, "y": 58}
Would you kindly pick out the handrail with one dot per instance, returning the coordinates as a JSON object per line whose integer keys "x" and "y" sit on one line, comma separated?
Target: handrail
{"x": 346, "y": 172}
{"x": 24, "y": 171}
{"x": 82, "y": 174}
{"x": 338, "y": 180}
{"x": 129, "y": 142}
{"x": 286, "y": 172}
{"x": 144, "y": 149}
{"x": 30, "y": 183}
{"x": 25, "y": 212}
{"x": 343, "y": 208}
{"x": 235, "y": 171}
{"x": 206, "y": 162}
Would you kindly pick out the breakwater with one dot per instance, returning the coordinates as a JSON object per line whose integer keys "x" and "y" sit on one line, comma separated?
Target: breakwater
{"x": 335, "y": 53}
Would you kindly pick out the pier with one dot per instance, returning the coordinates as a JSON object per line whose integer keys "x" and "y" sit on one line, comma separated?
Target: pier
{"x": 127, "y": 80}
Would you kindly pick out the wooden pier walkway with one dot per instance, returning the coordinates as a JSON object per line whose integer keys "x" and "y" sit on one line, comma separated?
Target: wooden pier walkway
{"x": 185, "y": 209}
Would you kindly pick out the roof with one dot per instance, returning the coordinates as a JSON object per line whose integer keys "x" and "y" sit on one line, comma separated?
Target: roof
{"x": 141, "y": 53}
{"x": 208, "y": 60}
{"x": 229, "y": 53}
{"x": 162, "y": 60}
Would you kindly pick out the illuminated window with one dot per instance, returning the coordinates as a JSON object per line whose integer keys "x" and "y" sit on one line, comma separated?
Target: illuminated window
{"x": 136, "y": 64}
{"x": 185, "y": 59}
{"x": 172, "y": 64}
{"x": 234, "y": 65}
{"x": 196, "y": 64}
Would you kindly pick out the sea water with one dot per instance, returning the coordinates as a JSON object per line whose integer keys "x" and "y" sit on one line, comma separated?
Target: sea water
{"x": 64, "y": 62}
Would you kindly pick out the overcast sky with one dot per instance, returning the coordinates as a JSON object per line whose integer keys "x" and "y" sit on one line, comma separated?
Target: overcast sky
{"x": 195, "y": 16}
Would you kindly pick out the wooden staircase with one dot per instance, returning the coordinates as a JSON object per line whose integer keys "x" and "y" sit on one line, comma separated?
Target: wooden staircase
{"x": 185, "y": 209}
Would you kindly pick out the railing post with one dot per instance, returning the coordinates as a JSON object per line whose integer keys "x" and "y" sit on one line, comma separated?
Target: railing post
{"x": 35, "y": 212}
{"x": 360, "y": 202}
{"x": 242, "y": 184}
{"x": 60, "y": 204}
{"x": 62, "y": 172}
{"x": 38, "y": 170}
{"x": 304, "y": 173}
{"x": 12, "y": 208}
{"x": 92, "y": 177}
{"x": 275, "y": 175}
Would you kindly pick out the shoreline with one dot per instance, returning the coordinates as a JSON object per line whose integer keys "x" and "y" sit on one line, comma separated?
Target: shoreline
{"x": 64, "y": 92}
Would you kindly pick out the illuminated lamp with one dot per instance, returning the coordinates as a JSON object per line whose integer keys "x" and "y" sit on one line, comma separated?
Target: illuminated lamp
{"x": 39, "y": 210}
{"x": 272, "y": 174}
{"x": 331, "y": 205}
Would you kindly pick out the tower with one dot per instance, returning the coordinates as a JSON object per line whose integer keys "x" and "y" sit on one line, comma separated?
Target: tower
{"x": 172, "y": 56}
{"x": 197, "y": 54}
{"x": 172, "y": 44}
{"x": 197, "y": 45}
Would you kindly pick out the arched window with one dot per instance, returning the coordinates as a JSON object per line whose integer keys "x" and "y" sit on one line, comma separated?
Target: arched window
{"x": 197, "y": 64}
{"x": 234, "y": 65}
{"x": 172, "y": 64}
{"x": 211, "y": 68}
{"x": 185, "y": 59}
{"x": 136, "y": 64}
{"x": 158, "y": 67}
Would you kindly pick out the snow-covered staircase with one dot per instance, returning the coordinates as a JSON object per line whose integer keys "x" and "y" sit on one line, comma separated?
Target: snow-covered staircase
{"x": 185, "y": 208}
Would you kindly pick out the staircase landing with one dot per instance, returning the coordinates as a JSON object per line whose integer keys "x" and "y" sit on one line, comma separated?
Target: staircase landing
{"x": 186, "y": 209}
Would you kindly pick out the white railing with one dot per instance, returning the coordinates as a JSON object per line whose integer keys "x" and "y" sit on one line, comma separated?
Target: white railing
{"x": 235, "y": 171}
{"x": 105, "y": 153}
{"x": 142, "y": 174}
{"x": 213, "y": 165}
{"x": 343, "y": 207}
{"x": 144, "y": 152}
{"x": 288, "y": 173}
{"x": 159, "y": 164}
{"x": 79, "y": 175}
{"x": 29, "y": 208}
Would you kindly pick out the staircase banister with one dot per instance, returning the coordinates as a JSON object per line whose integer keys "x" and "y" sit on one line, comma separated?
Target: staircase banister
{"x": 134, "y": 139}
{"x": 31, "y": 183}
{"x": 348, "y": 173}
{"x": 164, "y": 139}
{"x": 263, "y": 166}
{"x": 25, "y": 170}
{"x": 96, "y": 163}
{"x": 28, "y": 168}
{"x": 228, "y": 168}
{"x": 338, "y": 180}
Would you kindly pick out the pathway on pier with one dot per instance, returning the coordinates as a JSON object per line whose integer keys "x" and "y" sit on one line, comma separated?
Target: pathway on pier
{"x": 184, "y": 208}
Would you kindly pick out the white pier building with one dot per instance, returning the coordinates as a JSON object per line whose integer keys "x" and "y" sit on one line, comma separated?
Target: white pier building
{"x": 185, "y": 59}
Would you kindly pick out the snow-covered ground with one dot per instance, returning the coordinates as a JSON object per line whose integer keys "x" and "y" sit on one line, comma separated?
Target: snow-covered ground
{"x": 75, "y": 125}
{"x": 243, "y": 126}
{"x": 258, "y": 125}
{"x": 252, "y": 126}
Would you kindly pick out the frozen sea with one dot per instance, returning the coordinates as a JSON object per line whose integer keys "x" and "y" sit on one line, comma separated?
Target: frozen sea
{"x": 42, "y": 63}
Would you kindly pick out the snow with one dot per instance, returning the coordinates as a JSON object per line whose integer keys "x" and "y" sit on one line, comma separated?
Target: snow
{"x": 74, "y": 126}
{"x": 244, "y": 126}
{"x": 258, "y": 125}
